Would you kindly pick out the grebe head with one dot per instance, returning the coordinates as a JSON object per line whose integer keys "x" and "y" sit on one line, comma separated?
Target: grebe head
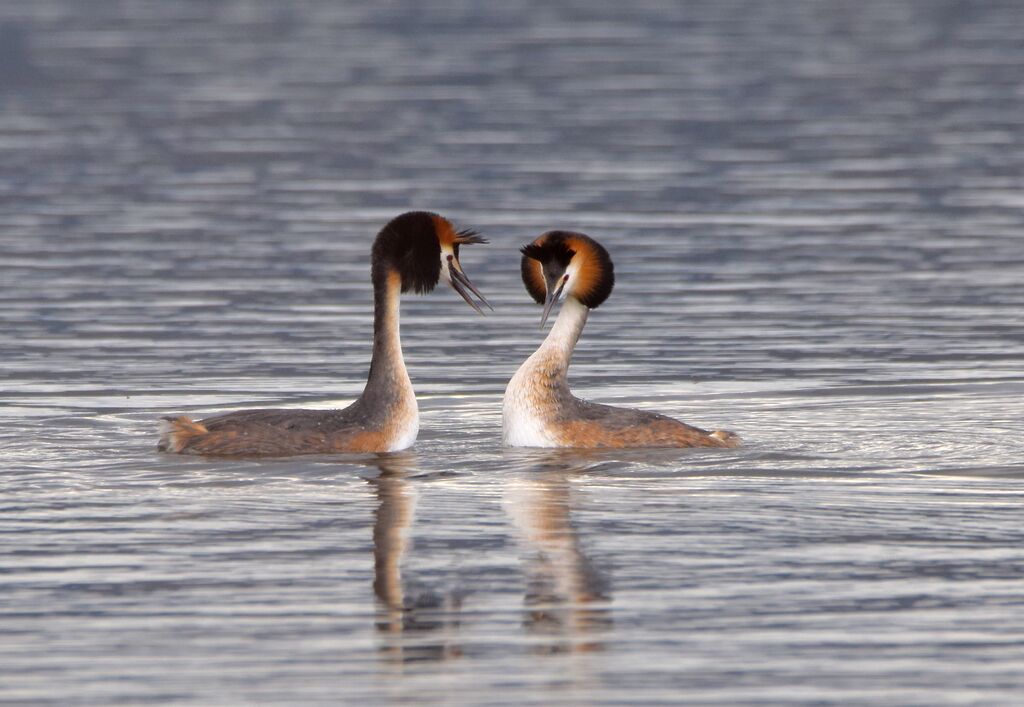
{"x": 563, "y": 262}
{"x": 419, "y": 247}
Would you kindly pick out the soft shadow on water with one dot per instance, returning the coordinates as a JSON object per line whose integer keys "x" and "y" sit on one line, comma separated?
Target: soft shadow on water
{"x": 568, "y": 594}
{"x": 422, "y": 624}
{"x": 567, "y": 597}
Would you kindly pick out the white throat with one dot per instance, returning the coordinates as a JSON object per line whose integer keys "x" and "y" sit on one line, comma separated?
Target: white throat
{"x": 565, "y": 332}
{"x": 407, "y": 417}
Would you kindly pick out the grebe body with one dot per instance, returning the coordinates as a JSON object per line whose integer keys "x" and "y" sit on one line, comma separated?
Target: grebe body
{"x": 539, "y": 410}
{"x": 412, "y": 252}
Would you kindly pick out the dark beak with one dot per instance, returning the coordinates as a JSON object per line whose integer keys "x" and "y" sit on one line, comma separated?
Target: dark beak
{"x": 460, "y": 283}
{"x": 550, "y": 301}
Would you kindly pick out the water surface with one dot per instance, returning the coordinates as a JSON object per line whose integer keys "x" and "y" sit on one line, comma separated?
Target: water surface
{"x": 815, "y": 213}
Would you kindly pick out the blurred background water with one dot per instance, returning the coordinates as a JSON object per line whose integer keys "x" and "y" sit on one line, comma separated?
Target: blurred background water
{"x": 815, "y": 211}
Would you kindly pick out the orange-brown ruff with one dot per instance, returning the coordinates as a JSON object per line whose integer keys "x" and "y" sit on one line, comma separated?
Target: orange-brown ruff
{"x": 412, "y": 252}
{"x": 539, "y": 410}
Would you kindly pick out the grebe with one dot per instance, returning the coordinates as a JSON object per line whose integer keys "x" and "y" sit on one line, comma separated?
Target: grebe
{"x": 539, "y": 410}
{"x": 410, "y": 253}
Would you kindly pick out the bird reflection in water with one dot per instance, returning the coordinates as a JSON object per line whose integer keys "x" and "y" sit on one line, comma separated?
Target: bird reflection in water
{"x": 415, "y": 625}
{"x": 567, "y": 596}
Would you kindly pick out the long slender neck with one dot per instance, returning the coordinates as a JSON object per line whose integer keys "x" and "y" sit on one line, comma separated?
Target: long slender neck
{"x": 556, "y": 351}
{"x": 388, "y": 375}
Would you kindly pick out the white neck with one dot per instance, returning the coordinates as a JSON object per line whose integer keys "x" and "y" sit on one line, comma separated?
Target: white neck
{"x": 561, "y": 340}
{"x": 541, "y": 384}
{"x": 388, "y": 391}
{"x": 387, "y": 367}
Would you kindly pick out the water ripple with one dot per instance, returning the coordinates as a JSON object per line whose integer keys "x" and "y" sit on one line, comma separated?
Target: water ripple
{"x": 815, "y": 218}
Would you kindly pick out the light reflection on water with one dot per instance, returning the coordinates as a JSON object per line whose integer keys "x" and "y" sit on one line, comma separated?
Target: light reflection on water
{"x": 815, "y": 219}
{"x": 566, "y": 600}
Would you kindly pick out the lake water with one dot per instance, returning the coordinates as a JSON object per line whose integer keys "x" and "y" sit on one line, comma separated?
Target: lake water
{"x": 816, "y": 214}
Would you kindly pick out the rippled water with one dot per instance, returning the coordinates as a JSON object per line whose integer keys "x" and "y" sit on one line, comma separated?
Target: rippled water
{"x": 816, "y": 215}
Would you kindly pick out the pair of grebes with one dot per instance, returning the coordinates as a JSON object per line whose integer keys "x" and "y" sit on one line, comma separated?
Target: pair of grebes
{"x": 412, "y": 253}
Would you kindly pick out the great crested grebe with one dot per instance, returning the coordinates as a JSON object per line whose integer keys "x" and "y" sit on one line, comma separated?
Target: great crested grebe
{"x": 410, "y": 253}
{"x": 539, "y": 410}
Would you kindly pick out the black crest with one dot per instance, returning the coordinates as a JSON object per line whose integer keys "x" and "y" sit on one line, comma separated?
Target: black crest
{"x": 409, "y": 245}
{"x": 553, "y": 252}
{"x": 544, "y": 256}
{"x": 468, "y": 236}
{"x": 550, "y": 248}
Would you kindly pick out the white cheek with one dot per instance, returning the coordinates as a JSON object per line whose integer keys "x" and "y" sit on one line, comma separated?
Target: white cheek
{"x": 445, "y": 254}
{"x": 570, "y": 277}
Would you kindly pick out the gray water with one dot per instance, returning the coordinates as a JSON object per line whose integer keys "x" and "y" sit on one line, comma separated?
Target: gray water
{"x": 816, "y": 215}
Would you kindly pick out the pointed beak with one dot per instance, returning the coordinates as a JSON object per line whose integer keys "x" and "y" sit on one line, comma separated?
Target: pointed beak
{"x": 550, "y": 301}
{"x": 460, "y": 283}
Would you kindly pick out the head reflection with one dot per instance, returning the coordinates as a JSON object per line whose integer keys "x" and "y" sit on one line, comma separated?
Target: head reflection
{"x": 567, "y": 596}
{"x": 415, "y": 625}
